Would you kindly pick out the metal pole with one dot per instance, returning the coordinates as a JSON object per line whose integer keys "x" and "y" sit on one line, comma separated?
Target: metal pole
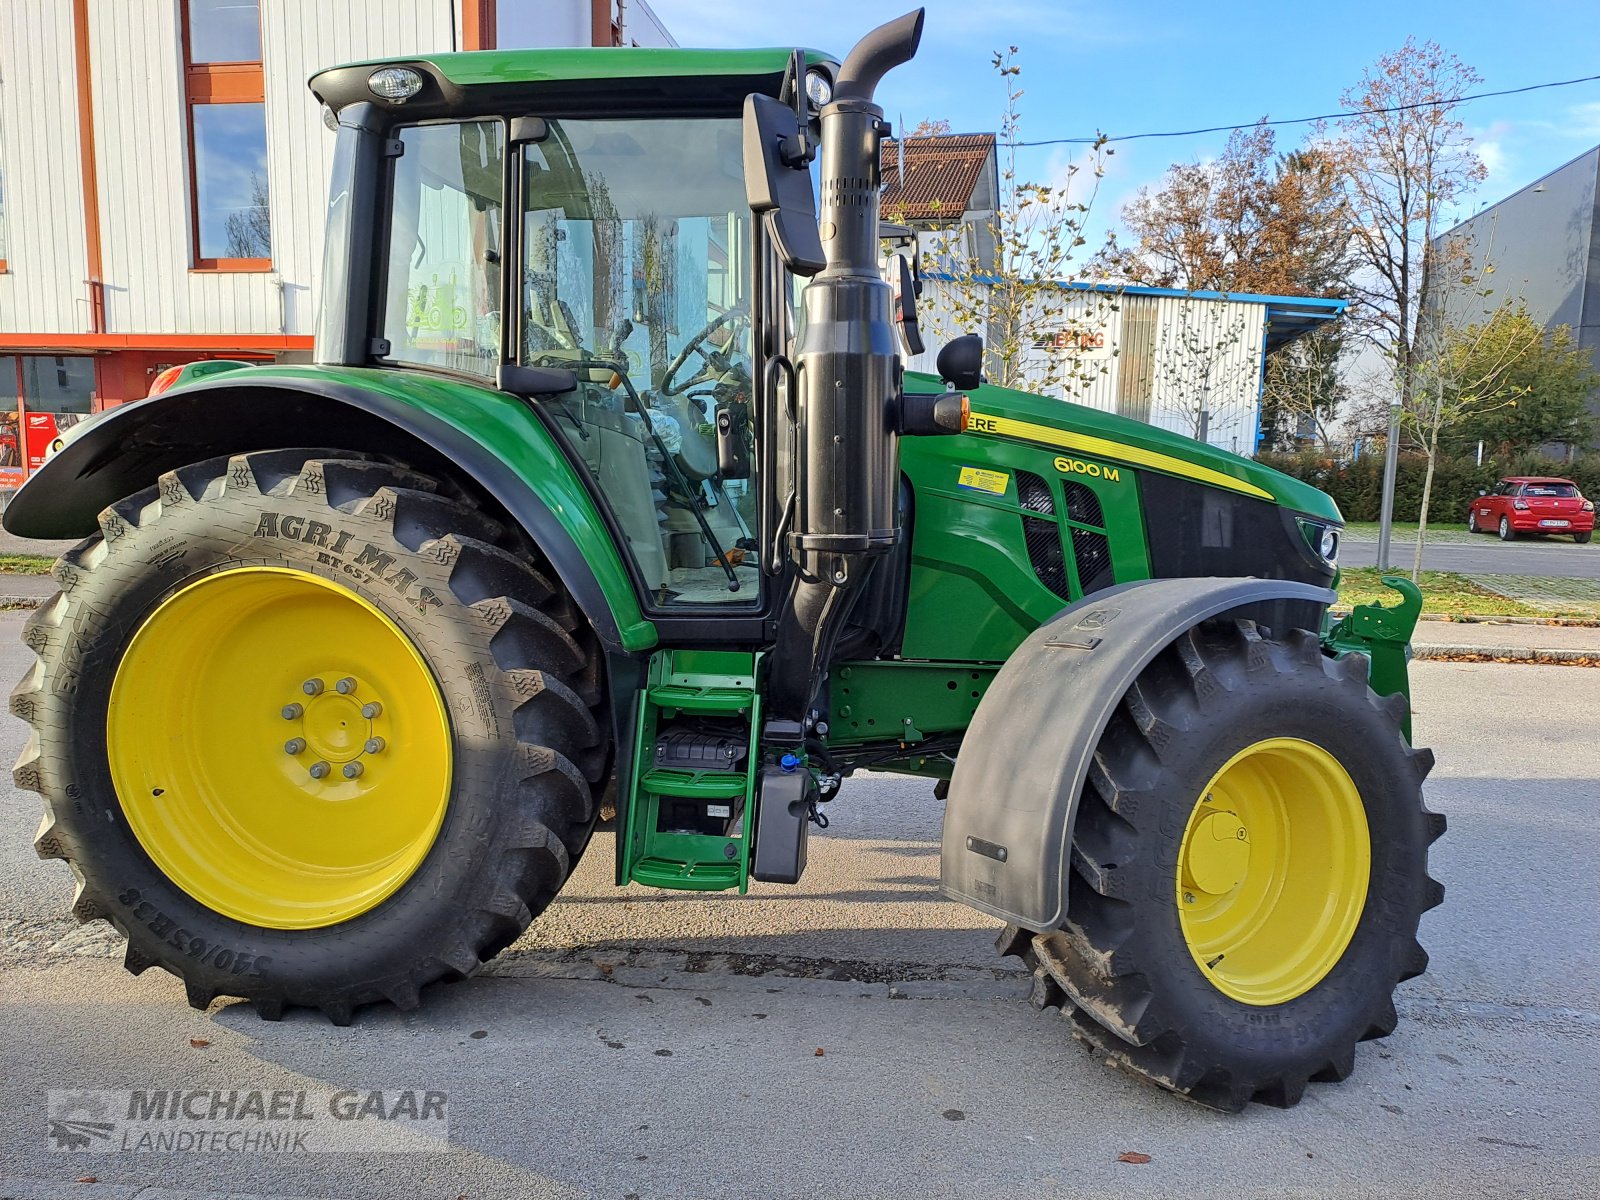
{"x": 1391, "y": 463}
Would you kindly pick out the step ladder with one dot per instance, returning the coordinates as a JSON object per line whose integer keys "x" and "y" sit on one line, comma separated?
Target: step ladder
{"x": 660, "y": 850}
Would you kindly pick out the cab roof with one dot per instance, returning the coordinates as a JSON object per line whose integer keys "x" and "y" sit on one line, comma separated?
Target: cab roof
{"x": 600, "y": 78}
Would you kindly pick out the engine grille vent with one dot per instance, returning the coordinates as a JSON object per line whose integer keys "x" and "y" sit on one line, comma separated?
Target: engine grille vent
{"x": 1091, "y": 553}
{"x": 1083, "y": 505}
{"x": 1034, "y": 494}
{"x": 1044, "y": 552}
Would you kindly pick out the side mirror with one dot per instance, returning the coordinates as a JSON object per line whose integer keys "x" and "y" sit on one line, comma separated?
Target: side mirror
{"x": 777, "y": 181}
{"x": 535, "y": 381}
{"x": 1481, "y": 492}
{"x": 733, "y": 455}
{"x": 903, "y": 280}
{"x": 960, "y": 363}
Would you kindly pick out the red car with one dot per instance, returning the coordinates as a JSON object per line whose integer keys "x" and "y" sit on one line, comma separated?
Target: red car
{"x": 1533, "y": 504}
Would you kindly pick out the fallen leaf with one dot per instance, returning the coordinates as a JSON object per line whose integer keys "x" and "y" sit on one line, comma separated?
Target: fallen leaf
{"x": 479, "y": 1034}
{"x": 605, "y": 968}
{"x": 88, "y": 1179}
{"x": 819, "y": 1052}
{"x": 1133, "y": 1156}
{"x": 199, "y": 1043}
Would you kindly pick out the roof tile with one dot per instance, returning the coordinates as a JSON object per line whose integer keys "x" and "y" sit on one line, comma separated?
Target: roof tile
{"x": 942, "y": 172}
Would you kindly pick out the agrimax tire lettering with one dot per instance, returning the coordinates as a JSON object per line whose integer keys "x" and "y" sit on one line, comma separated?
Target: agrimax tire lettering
{"x": 369, "y": 564}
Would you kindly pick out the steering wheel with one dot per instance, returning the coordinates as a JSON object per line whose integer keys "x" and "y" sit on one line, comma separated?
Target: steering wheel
{"x": 709, "y": 366}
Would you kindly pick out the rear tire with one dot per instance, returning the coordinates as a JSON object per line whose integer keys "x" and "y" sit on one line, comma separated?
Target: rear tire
{"x": 1507, "y": 534}
{"x": 1127, "y": 968}
{"x": 516, "y": 687}
{"x": 1584, "y": 538}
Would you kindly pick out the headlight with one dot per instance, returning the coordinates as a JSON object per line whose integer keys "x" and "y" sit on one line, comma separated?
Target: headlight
{"x": 395, "y": 83}
{"x": 1323, "y": 539}
{"x": 818, "y": 87}
{"x": 1330, "y": 545}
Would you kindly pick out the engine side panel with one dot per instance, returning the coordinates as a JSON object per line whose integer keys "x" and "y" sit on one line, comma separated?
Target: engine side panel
{"x": 1006, "y": 535}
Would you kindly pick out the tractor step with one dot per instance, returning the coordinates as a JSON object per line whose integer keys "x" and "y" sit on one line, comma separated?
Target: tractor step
{"x": 690, "y": 815}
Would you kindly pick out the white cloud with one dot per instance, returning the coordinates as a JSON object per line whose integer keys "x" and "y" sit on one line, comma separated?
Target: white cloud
{"x": 1583, "y": 120}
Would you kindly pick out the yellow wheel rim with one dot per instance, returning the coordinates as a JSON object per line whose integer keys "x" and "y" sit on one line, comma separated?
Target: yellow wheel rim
{"x": 279, "y": 747}
{"x": 1273, "y": 871}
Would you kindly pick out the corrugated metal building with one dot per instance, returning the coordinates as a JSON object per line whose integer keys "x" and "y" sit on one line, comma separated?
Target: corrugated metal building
{"x": 1544, "y": 244}
{"x": 1191, "y": 362}
{"x": 163, "y": 177}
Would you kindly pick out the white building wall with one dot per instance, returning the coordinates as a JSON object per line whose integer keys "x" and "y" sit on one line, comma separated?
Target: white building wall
{"x": 300, "y": 38}
{"x": 42, "y": 290}
{"x": 142, "y": 144}
{"x": 1203, "y": 354}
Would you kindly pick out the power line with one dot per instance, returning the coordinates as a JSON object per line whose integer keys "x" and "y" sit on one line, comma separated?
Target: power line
{"x": 1358, "y": 112}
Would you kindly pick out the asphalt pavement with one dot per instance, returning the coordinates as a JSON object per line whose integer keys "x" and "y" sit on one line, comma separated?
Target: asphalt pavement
{"x": 1560, "y": 558}
{"x": 647, "y": 1044}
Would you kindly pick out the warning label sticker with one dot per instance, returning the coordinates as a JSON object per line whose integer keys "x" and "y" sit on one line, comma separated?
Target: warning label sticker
{"x": 979, "y": 480}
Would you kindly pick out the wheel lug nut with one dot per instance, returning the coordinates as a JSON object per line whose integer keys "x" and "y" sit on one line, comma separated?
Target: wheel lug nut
{"x": 345, "y": 686}
{"x": 375, "y": 745}
{"x": 294, "y": 745}
{"x": 319, "y": 770}
{"x": 351, "y": 770}
{"x": 293, "y": 712}
{"x": 372, "y": 709}
{"x": 312, "y": 687}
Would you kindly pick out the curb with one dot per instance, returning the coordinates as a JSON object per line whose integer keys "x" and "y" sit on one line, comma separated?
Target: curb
{"x": 1514, "y": 654}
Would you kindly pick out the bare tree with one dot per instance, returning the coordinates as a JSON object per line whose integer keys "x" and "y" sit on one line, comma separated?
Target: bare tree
{"x": 1201, "y": 366}
{"x": 1305, "y": 389}
{"x": 1016, "y": 300}
{"x": 1403, "y": 169}
{"x": 249, "y": 229}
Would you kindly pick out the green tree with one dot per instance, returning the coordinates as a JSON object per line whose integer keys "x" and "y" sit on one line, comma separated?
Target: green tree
{"x": 1463, "y": 373}
{"x": 1553, "y": 378}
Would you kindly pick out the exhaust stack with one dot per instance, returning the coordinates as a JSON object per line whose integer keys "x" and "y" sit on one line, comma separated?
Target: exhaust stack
{"x": 848, "y": 374}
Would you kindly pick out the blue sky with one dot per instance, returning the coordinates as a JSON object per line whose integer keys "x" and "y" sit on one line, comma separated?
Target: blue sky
{"x": 1162, "y": 65}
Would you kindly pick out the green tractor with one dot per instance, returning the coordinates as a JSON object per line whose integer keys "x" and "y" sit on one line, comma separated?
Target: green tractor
{"x": 608, "y": 493}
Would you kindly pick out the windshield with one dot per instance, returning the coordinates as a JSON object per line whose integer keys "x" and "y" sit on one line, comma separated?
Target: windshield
{"x": 635, "y": 273}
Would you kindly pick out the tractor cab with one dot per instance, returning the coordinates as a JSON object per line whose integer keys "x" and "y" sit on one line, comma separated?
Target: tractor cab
{"x": 594, "y": 250}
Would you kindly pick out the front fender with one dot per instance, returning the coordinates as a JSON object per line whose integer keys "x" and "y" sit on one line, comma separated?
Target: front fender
{"x": 494, "y": 445}
{"x": 1026, "y": 755}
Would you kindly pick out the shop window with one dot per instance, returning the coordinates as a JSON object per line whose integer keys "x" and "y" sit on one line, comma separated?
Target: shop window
{"x": 225, "y": 96}
{"x": 41, "y": 397}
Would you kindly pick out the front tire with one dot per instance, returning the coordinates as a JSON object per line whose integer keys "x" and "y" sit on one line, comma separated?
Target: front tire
{"x": 308, "y": 732}
{"x": 1249, "y": 867}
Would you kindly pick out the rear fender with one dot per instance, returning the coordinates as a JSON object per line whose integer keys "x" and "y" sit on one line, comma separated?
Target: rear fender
{"x": 1025, "y": 757}
{"x": 494, "y": 446}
